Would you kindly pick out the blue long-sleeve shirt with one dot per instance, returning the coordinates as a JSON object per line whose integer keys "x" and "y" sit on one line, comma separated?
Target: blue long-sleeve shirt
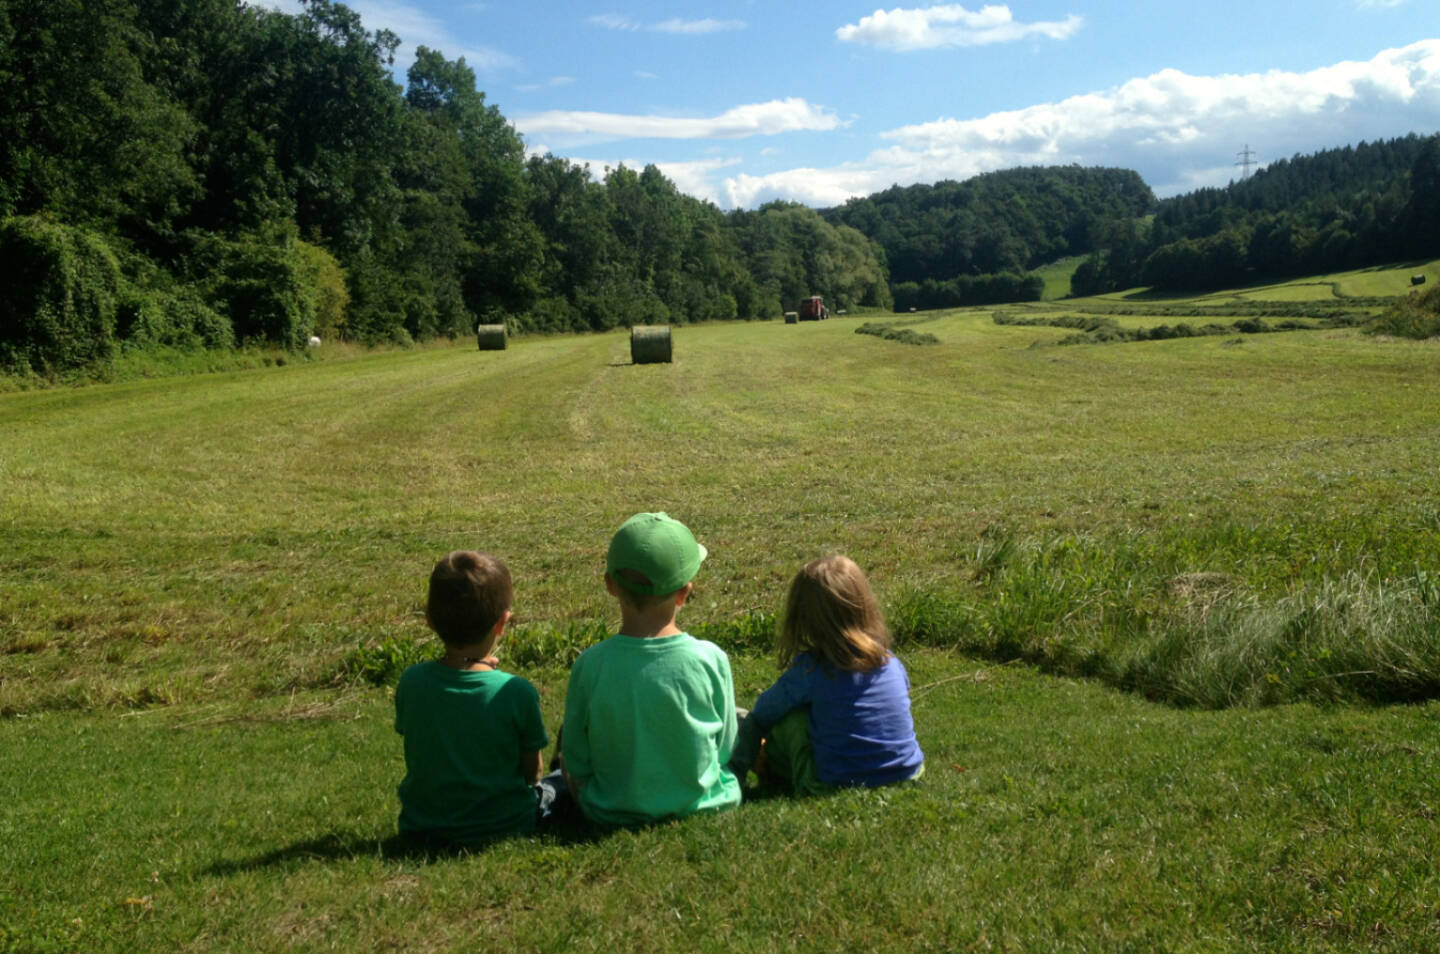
{"x": 860, "y": 725}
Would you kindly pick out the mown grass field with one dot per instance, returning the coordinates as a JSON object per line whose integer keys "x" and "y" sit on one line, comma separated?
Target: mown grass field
{"x": 1068, "y": 540}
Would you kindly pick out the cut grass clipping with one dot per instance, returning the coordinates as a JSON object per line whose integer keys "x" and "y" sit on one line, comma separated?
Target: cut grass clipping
{"x": 1099, "y": 329}
{"x": 889, "y": 331}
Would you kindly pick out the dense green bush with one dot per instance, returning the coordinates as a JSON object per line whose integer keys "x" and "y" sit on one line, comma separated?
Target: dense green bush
{"x": 175, "y": 319}
{"x": 58, "y": 301}
{"x": 325, "y": 286}
{"x": 259, "y": 283}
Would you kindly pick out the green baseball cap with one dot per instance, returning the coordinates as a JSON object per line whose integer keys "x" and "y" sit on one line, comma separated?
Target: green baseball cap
{"x": 658, "y": 546}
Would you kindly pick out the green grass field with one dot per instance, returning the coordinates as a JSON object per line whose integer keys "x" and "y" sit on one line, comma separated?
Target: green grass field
{"x": 1057, "y": 276}
{"x": 1170, "y": 610}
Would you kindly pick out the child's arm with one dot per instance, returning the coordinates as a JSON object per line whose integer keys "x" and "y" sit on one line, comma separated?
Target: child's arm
{"x": 532, "y": 766}
{"x": 790, "y": 690}
{"x": 531, "y": 731}
{"x": 726, "y": 703}
{"x": 575, "y": 757}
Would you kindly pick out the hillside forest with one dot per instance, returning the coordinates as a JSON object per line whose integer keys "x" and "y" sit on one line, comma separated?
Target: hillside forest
{"x": 192, "y": 174}
{"x": 1338, "y": 209}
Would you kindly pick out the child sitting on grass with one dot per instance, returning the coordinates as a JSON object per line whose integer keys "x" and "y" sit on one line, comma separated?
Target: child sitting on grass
{"x": 473, "y": 734}
{"x": 650, "y": 712}
{"x": 839, "y": 715}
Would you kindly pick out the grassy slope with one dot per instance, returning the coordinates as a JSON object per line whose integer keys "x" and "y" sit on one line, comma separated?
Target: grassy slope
{"x": 219, "y": 542}
{"x": 1054, "y": 816}
{"x": 1057, "y": 276}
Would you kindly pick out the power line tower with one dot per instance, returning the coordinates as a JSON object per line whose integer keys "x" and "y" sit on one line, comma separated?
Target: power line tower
{"x": 1245, "y": 158}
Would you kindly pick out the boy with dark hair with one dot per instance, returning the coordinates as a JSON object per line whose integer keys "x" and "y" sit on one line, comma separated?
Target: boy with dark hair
{"x": 473, "y": 734}
{"x": 650, "y": 712}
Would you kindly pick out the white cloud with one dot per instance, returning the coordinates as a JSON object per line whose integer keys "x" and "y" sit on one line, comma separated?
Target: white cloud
{"x": 696, "y": 178}
{"x": 616, "y": 21}
{"x": 902, "y": 30}
{"x": 415, "y": 28}
{"x": 817, "y": 187}
{"x": 1170, "y": 124}
{"x": 642, "y": 74}
{"x": 698, "y": 26}
{"x": 1180, "y": 132}
{"x": 613, "y": 21}
{"x": 1378, "y": 4}
{"x": 552, "y": 83}
{"x": 755, "y": 119}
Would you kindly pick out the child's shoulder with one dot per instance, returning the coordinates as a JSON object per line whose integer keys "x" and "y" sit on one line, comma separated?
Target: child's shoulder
{"x": 705, "y": 648}
{"x": 420, "y": 672}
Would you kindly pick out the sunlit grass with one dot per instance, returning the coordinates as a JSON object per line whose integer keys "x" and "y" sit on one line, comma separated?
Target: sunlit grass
{"x": 174, "y": 539}
{"x": 202, "y": 579}
{"x": 1053, "y": 815}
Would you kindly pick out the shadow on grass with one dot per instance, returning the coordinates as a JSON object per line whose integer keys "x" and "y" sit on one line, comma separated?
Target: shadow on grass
{"x": 352, "y": 845}
{"x": 569, "y": 828}
{"x": 1156, "y": 295}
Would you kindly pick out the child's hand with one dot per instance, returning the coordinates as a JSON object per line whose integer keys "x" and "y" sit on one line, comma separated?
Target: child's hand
{"x": 491, "y": 661}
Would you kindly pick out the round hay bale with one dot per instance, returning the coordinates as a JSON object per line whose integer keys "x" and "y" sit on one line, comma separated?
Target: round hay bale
{"x": 792, "y": 317}
{"x": 650, "y": 344}
{"x": 1417, "y": 279}
{"x": 491, "y": 337}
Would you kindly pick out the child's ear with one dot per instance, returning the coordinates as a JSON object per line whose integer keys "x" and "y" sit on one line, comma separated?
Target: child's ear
{"x": 504, "y": 621}
{"x": 611, "y": 586}
{"x": 683, "y": 594}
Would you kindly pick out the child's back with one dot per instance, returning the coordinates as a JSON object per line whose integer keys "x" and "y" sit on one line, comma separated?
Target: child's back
{"x": 860, "y": 725}
{"x": 465, "y": 733}
{"x": 839, "y": 714}
{"x": 649, "y": 725}
{"x": 650, "y": 712}
{"x": 473, "y": 735}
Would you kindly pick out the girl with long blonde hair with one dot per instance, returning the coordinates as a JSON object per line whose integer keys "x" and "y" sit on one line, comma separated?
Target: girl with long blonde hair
{"x": 839, "y": 715}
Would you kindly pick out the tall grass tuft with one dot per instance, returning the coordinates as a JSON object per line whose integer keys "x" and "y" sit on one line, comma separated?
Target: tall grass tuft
{"x": 380, "y": 663}
{"x": 1354, "y": 638}
{"x": 1415, "y": 316}
{"x": 1111, "y": 612}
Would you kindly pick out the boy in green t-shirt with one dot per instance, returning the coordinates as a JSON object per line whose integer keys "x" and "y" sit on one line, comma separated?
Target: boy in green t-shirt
{"x": 473, "y": 734}
{"x": 650, "y": 712}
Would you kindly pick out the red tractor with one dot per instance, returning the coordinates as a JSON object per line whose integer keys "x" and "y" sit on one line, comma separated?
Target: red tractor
{"x": 812, "y": 309}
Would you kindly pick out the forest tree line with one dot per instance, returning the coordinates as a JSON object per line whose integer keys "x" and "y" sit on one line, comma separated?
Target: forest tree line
{"x": 975, "y": 242}
{"x": 200, "y": 173}
{"x": 1370, "y": 204}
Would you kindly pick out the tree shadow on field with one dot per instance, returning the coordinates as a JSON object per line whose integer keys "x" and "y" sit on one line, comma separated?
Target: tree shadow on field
{"x": 352, "y": 845}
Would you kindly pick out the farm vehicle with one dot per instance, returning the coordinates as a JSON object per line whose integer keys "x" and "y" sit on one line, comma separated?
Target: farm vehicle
{"x": 812, "y": 309}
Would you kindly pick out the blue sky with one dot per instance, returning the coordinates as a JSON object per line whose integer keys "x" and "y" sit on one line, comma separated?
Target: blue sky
{"x": 744, "y": 102}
